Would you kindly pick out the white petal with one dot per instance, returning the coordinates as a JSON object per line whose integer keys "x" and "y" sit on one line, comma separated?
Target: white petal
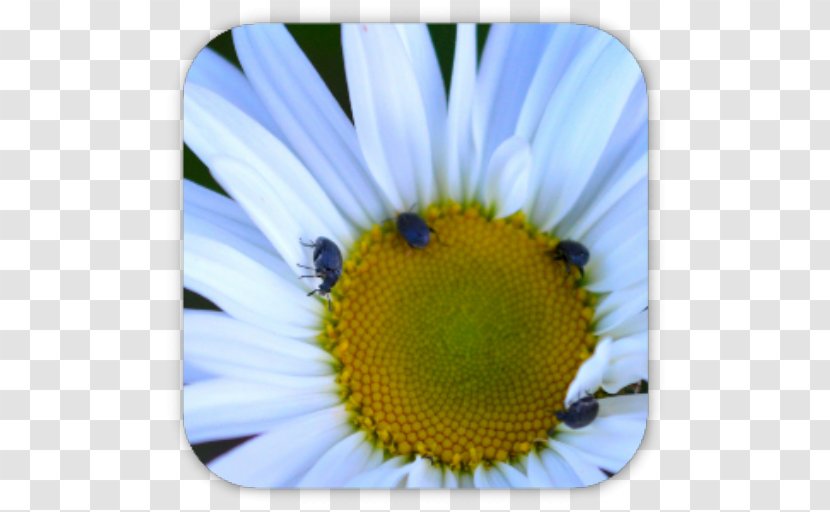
{"x": 246, "y": 290}
{"x": 311, "y": 122}
{"x": 613, "y": 365}
{"x": 450, "y": 479}
{"x": 577, "y": 126}
{"x": 343, "y": 461}
{"x": 460, "y": 147}
{"x": 424, "y": 475}
{"x": 635, "y": 324}
{"x": 599, "y": 198}
{"x": 537, "y": 475}
{"x": 629, "y": 362}
{"x": 389, "y": 113}
{"x": 589, "y": 376}
{"x": 566, "y": 41}
{"x": 211, "y": 70}
{"x": 197, "y": 196}
{"x": 221, "y": 345}
{"x": 281, "y": 456}
{"x": 255, "y": 168}
{"x": 583, "y": 470}
{"x": 508, "y": 64}
{"x": 621, "y": 305}
{"x": 481, "y": 478}
{"x": 246, "y": 238}
{"x": 391, "y": 473}
{"x": 507, "y": 177}
{"x": 227, "y": 408}
{"x": 562, "y": 474}
{"x": 465, "y": 481}
{"x": 514, "y": 477}
{"x": 192, "y": 373}
{"x": 618, "y": 266}
{"x": 623, "y": 164}
{"x": 421, "y": 52}
{"x": 612, "y": 439}
{"x": 496, "y": 479}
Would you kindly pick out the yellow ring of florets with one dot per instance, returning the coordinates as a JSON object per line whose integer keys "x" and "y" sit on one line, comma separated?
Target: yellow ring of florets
{"x": 463, "y": 350}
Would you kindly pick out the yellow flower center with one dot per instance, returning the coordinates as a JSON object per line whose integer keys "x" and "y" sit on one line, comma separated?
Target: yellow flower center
{"x": 461, "y": 351}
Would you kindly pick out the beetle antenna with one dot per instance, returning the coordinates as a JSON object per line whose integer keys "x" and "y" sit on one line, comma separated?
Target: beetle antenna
{"x": 306, "y": 244}
{"x": 305, "y": 266}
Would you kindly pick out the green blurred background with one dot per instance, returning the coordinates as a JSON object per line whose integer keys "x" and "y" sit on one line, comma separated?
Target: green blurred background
{"x": 321, "y": 43}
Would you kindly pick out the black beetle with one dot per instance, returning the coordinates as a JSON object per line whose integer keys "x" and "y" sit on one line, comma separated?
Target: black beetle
{"x": 413, "y": 229}
{"x": 572, "y": 253}
{"x": 580, "y": 413}
{"x": 328, "y": 265}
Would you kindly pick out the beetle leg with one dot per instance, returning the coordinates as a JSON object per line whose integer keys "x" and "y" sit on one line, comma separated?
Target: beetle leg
{"x": 300, "y": 277}
{"x": 305, "y": 266}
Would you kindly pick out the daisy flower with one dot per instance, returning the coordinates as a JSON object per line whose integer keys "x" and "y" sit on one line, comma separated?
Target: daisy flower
{"x": 437, "y": 366}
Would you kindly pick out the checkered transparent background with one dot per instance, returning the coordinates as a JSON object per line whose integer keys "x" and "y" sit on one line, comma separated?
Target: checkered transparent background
{"x": 90, "y": 253}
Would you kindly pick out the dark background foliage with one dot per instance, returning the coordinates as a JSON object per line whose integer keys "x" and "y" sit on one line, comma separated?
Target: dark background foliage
{"x": 321, "y": 43}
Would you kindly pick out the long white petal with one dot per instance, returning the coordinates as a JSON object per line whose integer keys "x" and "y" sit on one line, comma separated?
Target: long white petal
{"x": 508, "y": 65}
{"x": 209, "y": 223}
{"x": 566, "y": 41}
{"x": 561, "y": 473}
{"x": 192, "y": 373}
{"x": 606, "y": 195}
{"x": 496, "y": 478}
{"x": 515, "y": 478}
{"x": 389, "y": 113}
{"x": 460, "y": 147}
{"x": 245, "y": 238}
{"x": 622, "y": 165}
{"x": 264, "y": 177}
{"x": 629, "y": 362}
{"x": 247, "y": 290}
{"x": 620, "y": 306}
{"x": 635, "y": 324}
{"x": 227, "y": 408}
{"x": 589, "y": 376}
{"x": 618, "y": 266}
{"x": 424, "y": 475}
{"x": 465, "y": 481}
{"x": 613, "y": 365}
{"x": 450, "y": 479}
{"x": 584, "y": 470}
{"x": 280, "y": 457}
{"x": 421, "y": 52}
{"x": 537, "y": 475}
{"x": 391, "y": 473}
{"x": 311, "y": 122}
{"x": 343, "y": 461}
{"x": 222, "y": 345}
{"x": 211, "y": 70}
{"x": 589, "y": 102}
{"x": 507, "y": 177}
{"x": 481, "y": 477}
{"x": 198, "y": 196}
